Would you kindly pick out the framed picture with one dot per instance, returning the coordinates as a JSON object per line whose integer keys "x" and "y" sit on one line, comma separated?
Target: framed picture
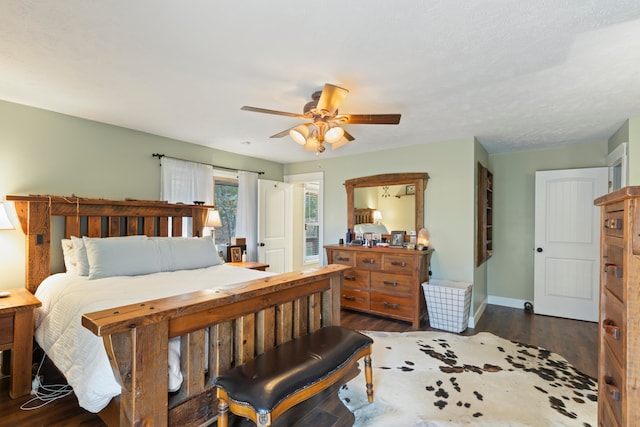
{"x": 397, "y": 238}
{"x": 411, "y": 189}
{"x": 367, "y": 236}
{"x": 236, "y": 255}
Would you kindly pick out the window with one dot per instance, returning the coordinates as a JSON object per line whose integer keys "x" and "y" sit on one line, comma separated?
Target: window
{"x": 311, "y": 223}
{"x": 225, "y": 189}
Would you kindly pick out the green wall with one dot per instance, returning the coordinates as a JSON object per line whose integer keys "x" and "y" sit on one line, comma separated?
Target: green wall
{"x": 449, "y": 197}
{"x": 510, "y": 270}
{"x": 50, "y": 153}
{"x": 634, "y": 151}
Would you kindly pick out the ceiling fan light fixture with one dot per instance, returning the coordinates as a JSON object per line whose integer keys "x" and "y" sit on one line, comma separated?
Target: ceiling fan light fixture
{"x": 334, "y": 134}
{"x": 300, "y": 134}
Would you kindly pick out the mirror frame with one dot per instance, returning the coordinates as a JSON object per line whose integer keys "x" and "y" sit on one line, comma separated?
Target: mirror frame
{"x": 418, "y": 179}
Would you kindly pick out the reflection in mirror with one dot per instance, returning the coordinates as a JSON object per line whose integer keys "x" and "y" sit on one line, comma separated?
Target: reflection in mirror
{"x": 398, "y": 197}
{"x": 395, "y": 207}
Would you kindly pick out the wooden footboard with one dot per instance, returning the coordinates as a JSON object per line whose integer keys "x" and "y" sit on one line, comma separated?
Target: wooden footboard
{"x": 239, "y": 323}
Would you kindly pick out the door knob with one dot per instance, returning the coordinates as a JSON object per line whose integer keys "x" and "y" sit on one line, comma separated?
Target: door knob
{"x": 260, "y": 244}
{"x": 539, "y": 249}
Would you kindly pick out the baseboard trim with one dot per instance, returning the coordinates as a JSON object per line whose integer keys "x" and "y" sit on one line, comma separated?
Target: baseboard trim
{"x": 473, "y": 320}
{"x": 506, "y": 302}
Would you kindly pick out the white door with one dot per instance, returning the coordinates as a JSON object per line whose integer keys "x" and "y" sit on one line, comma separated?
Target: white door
{"x": 274, "y": 225}
{"x": 567, "y": 242}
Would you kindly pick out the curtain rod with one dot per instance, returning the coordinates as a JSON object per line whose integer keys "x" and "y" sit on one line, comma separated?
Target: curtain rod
{"x": 160, "y": 156}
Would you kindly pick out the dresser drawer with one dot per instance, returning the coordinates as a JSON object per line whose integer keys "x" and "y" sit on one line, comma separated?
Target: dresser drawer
{"x": 611, "y": 385}
{"x": 392, "y": 283}
{"x": 344, "y": 258}
{"x": 392, "y": 305}
{"x": 613, "y": 221}
{"x": 399, "y": 263}
{"x": 355, "y": 278}
{"x": 613, "y": 327}
{"x": 613, "y": 270}
{"x": 369, "y": 260}
{"x": 351, "y": 298}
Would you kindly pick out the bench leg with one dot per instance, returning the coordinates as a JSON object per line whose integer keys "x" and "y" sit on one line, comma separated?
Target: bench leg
{"x": 368, "y": 375}
{"x": 223, "y": 413}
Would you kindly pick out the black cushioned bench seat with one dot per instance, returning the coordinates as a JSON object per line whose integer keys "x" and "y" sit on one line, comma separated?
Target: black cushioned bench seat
{"x": 265, "y": 387}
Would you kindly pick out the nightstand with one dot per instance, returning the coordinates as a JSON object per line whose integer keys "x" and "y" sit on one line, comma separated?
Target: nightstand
{"x": 16, "y": 334}
{"x": 251, "y": 265}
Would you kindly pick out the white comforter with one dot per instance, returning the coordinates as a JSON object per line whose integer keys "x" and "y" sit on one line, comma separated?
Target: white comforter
{"x": 78, "y": 353}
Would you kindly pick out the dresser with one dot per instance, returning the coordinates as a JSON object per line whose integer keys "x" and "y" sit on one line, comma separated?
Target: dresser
{"x": 383, "y": 281}
{"x": 619, "y": 341}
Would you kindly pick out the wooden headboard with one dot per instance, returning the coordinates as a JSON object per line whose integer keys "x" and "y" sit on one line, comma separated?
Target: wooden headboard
{"x": 94, "y": 218}
{"x": 363, "y": 215}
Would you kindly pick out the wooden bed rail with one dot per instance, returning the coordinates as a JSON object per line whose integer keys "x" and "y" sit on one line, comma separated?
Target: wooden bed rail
{"x": 94, "y": 218}
{"x": 218, "y": 328}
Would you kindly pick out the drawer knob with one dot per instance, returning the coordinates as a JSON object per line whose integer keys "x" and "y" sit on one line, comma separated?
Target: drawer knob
{"x": 394, "y": 284}
{"x": 390, "y": 305}
{"x": 399, "y": 264}
{"x": 350, "y": 278}
{"x": 612, "y": 390}
{"x": 614, "y": 223}
{"x": 349, "y": 298}
{"x": 611, "y": 328}
{"x": 369, "y": 261}
{"x": 617, "y": 270}
{"x": 342, "y": 259}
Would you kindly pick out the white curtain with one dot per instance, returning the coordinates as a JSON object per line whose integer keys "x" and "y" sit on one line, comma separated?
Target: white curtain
{"x": 186, "y": 182}
{"x": 247, "y": 216}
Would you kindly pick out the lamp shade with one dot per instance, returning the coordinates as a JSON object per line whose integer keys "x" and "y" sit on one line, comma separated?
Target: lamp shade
{"x": 300, "y": 134}
{"x": 377, "y": 216}
{"x": 334, "y": 134}
{"x": 213, "y": 219}
{"x": 5, "y": 224}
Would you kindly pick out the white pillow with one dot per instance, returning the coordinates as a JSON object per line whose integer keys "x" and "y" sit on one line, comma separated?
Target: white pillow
{"x": 179, "y": 253}
{"x": 121, "y": 257}
{"x": 82, "y": 262}
{"x": 69, "y": 256}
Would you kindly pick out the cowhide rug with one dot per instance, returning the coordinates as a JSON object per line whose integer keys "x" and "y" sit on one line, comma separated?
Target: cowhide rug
{"x": 443, "y": 379}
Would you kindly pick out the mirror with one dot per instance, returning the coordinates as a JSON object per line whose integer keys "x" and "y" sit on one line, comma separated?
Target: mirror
{"x": 391, "y": 195}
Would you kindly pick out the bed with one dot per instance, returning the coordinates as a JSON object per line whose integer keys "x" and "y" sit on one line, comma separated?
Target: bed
{"x": 220, "y": 322}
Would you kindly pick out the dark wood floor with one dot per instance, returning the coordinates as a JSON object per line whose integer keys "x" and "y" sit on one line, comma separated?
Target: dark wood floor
{"x": 575, "y": 340}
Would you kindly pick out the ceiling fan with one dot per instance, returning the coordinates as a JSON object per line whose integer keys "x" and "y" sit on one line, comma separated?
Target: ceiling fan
{"x": 325, "y": 122}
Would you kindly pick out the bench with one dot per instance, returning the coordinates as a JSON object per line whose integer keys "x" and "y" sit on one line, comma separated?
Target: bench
{"x": 265, "y": 387}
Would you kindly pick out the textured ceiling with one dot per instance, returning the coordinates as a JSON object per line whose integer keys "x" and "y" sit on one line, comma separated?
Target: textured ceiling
{"x": 514, "y": 74}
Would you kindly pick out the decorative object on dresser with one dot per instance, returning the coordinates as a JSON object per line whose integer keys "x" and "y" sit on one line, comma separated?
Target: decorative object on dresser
{"x": 16, "y": 334}
{"x": 383, "y": 281}
{"x": 619, "y": 346}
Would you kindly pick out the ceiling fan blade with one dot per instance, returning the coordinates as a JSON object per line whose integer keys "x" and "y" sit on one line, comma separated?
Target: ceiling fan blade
{"x": 346, "y": 136}
{"x": 281, "y": 134}
{"x": 369, "y": 119}
{"x": 267, "y": 111}
{"x": 331, "y": 98}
